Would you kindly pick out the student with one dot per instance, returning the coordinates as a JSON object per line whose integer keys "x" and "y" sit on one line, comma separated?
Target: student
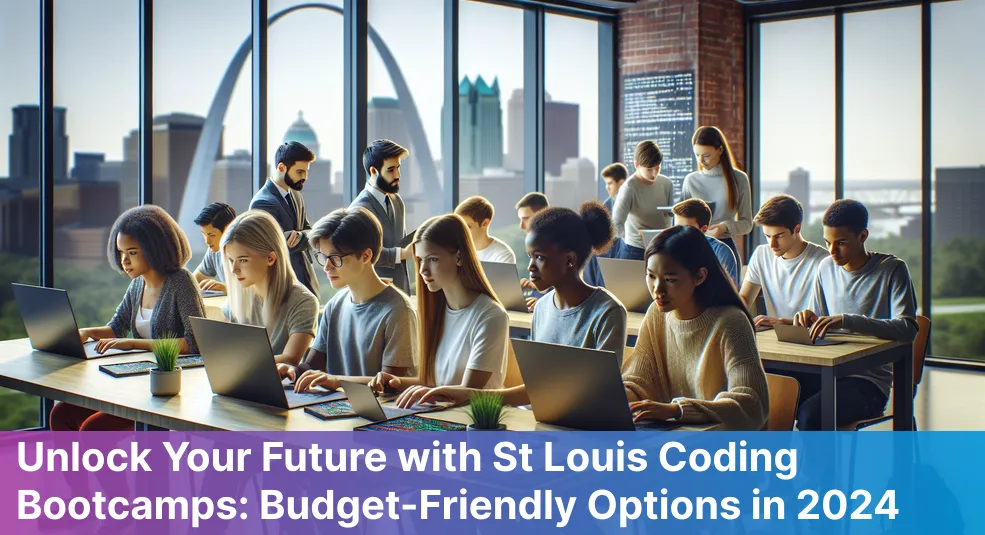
{"x": 865, "y": 293}
{"x": 281, "y": 197}
{"x": 381, "y": 159}
{"x": 262, "y": 287}
{"x": 148, "y": 246}
{"x": 368, "y": 326}
{"x": 464, "y": 330}
{"x": 614, "y": 175}
{"x": 213, "y": 219}
{"x": 785, "y": 269}
{"x": 721, "y": 184}
{"x": 478, "y": 214}
{"x": 571, "y": 313}
{"x": 640, "y": 197}
{"x": 696, "y": 213}
{"x": 696, "y": 359}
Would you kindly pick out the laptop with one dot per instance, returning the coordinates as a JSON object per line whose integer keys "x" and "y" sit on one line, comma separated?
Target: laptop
{"x": 506, "y": 283}
{"x": 240, "y": 364}
{"x": 363, "y": 401}
{"x": 51, "y": 326}
{"x": 626, "y": 279}
{"x": 577, "y": 388}
{"x": 648, "y": 234}
{"x": 796, "y": 334}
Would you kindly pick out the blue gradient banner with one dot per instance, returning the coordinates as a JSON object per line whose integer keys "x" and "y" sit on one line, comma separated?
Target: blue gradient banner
{"x": 495, "y": 482}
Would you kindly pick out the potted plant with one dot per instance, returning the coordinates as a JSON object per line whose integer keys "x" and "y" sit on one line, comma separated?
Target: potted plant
{"x": 486, "y": 411}
{"x": 165, "y": 380}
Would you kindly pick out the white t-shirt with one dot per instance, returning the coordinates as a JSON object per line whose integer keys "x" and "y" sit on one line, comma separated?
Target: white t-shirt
{"x": 497, "y": 251}
{"x": 142, "y": 322}
{"x": 788, "y": 284}
{"x": 474, "y": 338}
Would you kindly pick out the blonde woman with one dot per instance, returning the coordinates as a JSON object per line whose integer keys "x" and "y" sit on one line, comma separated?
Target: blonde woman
{"x": 262, "y": 287}
{"x": 463, "y": 328}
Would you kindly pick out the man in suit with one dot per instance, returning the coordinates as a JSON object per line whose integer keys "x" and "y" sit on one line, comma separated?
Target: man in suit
{"x": 381, "y": 159}
{"x": 281, "y": 198}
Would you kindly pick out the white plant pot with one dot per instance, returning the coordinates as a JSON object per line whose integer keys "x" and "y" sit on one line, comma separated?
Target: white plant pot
{"x": 165, "y": 383}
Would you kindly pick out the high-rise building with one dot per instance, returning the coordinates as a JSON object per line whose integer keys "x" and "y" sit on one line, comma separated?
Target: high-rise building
{"x": 175, "y": 141}
{"x": 25, "y": 143}
{"x": 302, "y": 132}
{"x": 385, "y": 120}
{"x": 500, "y": 187}
{"x": 232, "y": 181}
{"x": 87, "y": 166}
{"x": 318, "y": 193}
{"x": 960, "y": 195}
{"x": 480, "y": 126}
{"x": 799, "y": 187}
{"x": 560, "y": 133}
{"x": 576, "y": 184}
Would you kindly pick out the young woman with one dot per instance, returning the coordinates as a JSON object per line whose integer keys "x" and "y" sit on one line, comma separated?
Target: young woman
{"x": 262, "y": 287}
{"x": 147, "y": 245}
{"x": 571, "y": 312}
{"x": 720, "y": 184}
{"x": 696, "y": 358}
{"x": 463, "y": 328}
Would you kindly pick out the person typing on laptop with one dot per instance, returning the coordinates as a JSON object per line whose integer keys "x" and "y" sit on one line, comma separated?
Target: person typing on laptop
{"x": 368, "y": 326}
{"x": 147, "y": 245}
{"x": 263, "y": 288}
{"x": 865, "y": 293}
{"x": 213, "y": 220}
{"x": 571, "y": 312}
{"x": 696, "y": 359}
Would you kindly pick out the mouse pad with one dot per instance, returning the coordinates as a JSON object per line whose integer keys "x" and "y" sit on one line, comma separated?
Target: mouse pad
{"x": 412, "y": 423}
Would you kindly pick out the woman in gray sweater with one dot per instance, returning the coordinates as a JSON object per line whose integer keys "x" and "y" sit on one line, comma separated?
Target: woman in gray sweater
{"x": 149, "y": 247}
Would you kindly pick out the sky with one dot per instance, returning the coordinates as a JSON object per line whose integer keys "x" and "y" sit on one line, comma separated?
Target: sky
{"x": 97, "y": 63}
{"x": 96, "y": 74}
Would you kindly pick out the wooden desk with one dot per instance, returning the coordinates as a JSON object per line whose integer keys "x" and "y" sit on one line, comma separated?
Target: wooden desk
{"x": 859, "y": 353}
{"x": 196, "y": 409}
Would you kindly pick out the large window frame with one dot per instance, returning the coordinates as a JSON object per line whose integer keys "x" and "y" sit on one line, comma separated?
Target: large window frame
{"x": 355, "y": 25}
{"x": 754, "y": 17}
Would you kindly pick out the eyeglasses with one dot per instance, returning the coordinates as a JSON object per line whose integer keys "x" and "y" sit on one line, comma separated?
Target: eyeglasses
{"x": 323, "y": 259}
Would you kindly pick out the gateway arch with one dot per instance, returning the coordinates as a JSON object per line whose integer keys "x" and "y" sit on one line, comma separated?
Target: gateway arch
{"x": 200, "y": 172}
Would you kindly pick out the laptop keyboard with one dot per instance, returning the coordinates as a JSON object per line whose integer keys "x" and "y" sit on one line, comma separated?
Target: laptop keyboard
{"x": 300, "y": 399}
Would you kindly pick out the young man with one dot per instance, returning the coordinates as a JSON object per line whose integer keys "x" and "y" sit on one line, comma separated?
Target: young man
{"x": 478, "y": 214}
{"x": 614, "y": 175}
{"x": 368, "y": 326}
{"x": 213, "y": 219}
{"x": 865, "y": 293}
{"x": 281, "y": 198}
{"x": 785, "y": 269}
{"x": 381, "y": 159}
{"x": 696, "y": 213}
{"x": 528, "y": 206}
{"x": 641, "y": 197}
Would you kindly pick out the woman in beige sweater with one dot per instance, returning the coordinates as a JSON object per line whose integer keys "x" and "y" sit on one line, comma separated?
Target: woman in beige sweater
{"x": 696, "y": 359}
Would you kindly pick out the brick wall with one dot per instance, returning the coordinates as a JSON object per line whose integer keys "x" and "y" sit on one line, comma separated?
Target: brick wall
{"x": 706, "y": 36}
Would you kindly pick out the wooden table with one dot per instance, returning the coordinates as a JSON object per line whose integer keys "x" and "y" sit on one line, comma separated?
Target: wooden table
{"x": 859, "y": 353}
{"x": 196, "y": 409}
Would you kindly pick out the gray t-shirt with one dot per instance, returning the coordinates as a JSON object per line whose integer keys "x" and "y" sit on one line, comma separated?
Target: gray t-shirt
{"x": 787, "y": 283}
{"x": 636, "y": 206}
{"x": 211, "y": 266}
{"x": 297, "y": 315}
{"x": 359, "y": 340}
{"x": 598, "y": 322}
{"x": 877, "y": 300}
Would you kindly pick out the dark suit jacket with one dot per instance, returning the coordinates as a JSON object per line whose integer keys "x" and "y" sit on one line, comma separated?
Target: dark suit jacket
{"x": 393, "y": 232}
{"x": 270, "y": 200}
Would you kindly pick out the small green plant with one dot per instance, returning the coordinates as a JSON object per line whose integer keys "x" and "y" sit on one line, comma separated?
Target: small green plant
{"x": 485, "y": 409}
{"x": 166, "y": 352}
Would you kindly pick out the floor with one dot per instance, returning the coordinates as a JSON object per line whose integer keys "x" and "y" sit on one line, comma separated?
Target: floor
{"x": 948, "y": 400}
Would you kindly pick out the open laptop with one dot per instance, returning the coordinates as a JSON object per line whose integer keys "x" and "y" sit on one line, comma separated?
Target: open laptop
{"x": 240, "y": 364}
{"x": 795, "y": 334}
{"x": 50, "y": 323}
{"x": 648, "y": 234}
{"x": 577, "y": 388}
{"x": 506, "y": 283}
{"x": 626, "y": 279}
{"x": 363, "y": 401}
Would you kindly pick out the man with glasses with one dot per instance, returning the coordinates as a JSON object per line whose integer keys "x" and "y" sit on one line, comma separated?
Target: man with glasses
{"x": 368, "y": 326}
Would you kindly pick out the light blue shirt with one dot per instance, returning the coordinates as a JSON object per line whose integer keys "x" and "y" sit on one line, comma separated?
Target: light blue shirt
{"x": 727, "y": 258}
